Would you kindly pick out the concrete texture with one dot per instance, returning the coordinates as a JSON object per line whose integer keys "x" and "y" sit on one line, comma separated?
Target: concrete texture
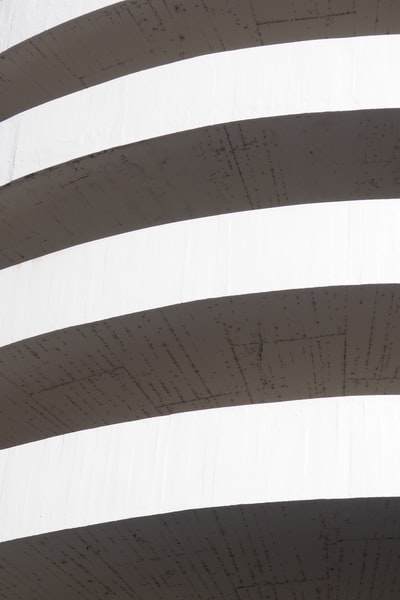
{"x": 295, "y": 247}
{"x": 214, "y": 170}
{"x": 67, "y": 51}
{"x": 331, "y": 75}
{"x": 285, "y": 551}
{"x": 308, "y": 449}
{"x": 229, "y": 351}
{"x": 238, "y": 313}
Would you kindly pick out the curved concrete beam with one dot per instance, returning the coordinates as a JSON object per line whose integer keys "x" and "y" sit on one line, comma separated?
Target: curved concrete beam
{"x": 330, "y": 75}
{"x": 312, "y": 549}
{"x": 72, "y": 55}
{"x": 223, "y": 352}
{"x": 214, "y": 170}
{"x": 21, "y": 21}
{"x": 339, "y": 448}
{"x": 332, "y": 244}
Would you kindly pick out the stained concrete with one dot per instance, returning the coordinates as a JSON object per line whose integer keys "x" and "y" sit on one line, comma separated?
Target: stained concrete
{"x": 231, "y": 351}
{"x": 214, "y": 170}
{"x": 281, "y": 551}
{"x": 130, "y": 36}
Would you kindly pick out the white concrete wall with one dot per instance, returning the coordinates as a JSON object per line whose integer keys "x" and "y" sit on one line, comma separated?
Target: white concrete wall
{"x": 308, "y": 449}
{"x": 330, "y": 244}
{"x": 22, "y": 19}
{"x": 330, "y": 75}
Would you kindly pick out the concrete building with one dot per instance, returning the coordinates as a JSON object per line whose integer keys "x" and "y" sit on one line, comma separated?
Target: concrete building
{"x": 199, "y": 300}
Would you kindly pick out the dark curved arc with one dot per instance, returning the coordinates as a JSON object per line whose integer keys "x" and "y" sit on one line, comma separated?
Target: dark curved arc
{"x": 130, "y": 36}
{"x": 304, "y": 343}
{"x": 226, "y": 168}
{"x": 308, "y": 549}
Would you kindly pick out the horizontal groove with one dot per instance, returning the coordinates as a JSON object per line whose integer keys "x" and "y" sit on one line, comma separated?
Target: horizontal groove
{"x": 214, "y": 170}
{"x": 60, "y": 49}
{"x": 339, "y": 448}
{"x": 215, "y": 89}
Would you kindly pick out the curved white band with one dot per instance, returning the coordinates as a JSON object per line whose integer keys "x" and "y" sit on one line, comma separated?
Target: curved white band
{"x": 343, "y": 243}
{"x": 304, "y": 77}
{"x": 308, "y": 449}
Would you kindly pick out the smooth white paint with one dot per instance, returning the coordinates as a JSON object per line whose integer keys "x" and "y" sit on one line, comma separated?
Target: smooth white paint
{"x": 22, "y": 19}
{"x": 304, "y": 77}
{"x": 316, "y": 245}
{"x": 308, "y": 449}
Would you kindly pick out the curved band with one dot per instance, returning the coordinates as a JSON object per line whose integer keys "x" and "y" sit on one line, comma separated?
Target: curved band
{"x": 331, "y": 75}
{"x": 73, "y": 54}
{"x": 308, "y": 343}
{"x": 339, "y": 448}
{"x": 280, "y": 550}
{"x": 345, "y": 243}
{"x": 272, "y": 21}
{"x": 214, "y": 170}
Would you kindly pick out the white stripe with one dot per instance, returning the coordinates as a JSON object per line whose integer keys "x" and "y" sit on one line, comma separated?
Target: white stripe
{"x": 22, "y": 19}
{"x": 307, "y": 449}
{"x": 304, "y": 77}
{"x": 316, "y": 245}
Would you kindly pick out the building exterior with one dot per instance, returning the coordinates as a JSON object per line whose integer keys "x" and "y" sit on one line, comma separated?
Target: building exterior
{"x": 199, "y": 307}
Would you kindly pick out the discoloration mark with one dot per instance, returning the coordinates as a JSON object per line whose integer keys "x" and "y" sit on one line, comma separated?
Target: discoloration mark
{"x": 222, "y": 352}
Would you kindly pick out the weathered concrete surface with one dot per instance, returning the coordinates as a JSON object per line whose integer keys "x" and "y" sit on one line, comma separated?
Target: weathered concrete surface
{"x": 209, "y": 90}
{"x": 124, "y": 37}
{"x": 234, "y": 350}
{"x": 214, "y": 170}
{"x": 291, "y": 247}
{"x": 291, "y": 550}
{"x": 215, "y": 353}
{"x": 333, "y": 448}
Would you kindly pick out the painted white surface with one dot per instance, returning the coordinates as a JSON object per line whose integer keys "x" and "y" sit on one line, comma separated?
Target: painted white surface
{"x": 22, "y": 19}
{"x": 316, "y": 245}
{"x": 304, "y": 77}
{"x": 308, "y": 449}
